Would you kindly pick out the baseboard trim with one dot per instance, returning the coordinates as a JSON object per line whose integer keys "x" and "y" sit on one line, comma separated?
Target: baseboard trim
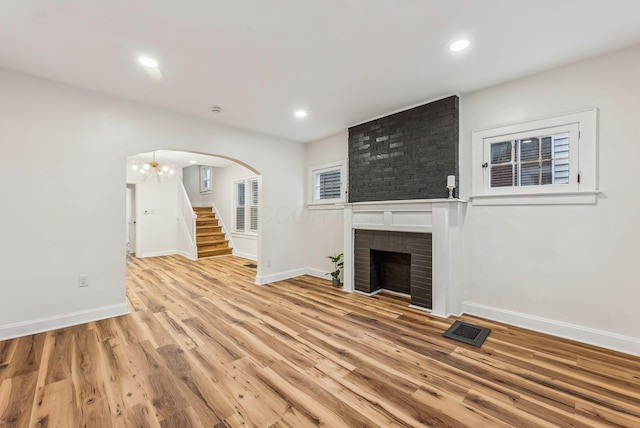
{"x": 280, "y": 276}
{"x": 41, "y": 325}
{"x": 252, "y": 257}
{"x": 591, "y": 336}
{"x": 159, "y": 254}
{"x": 318, "y": 273}
{"x": 186, "y": 255}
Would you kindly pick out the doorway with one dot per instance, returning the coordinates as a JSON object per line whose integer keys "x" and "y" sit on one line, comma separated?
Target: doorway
{"x": 131, "y": 219}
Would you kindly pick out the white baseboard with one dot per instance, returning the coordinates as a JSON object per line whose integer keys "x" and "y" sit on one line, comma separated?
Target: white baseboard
{"x": 616, "y": 342}
{"x": 158, "y": 254}
{"x": 186, "y": 255}
{"x": 318, "y": 273}
{"x": 245, "y": 255}
{"x": 26, "y": 328}
{"x": 280, "y": 276}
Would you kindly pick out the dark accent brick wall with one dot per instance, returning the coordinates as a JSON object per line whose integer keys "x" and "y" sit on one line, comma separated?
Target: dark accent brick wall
{"x": 417, "y": 245}
{"x": 406, "y": 155}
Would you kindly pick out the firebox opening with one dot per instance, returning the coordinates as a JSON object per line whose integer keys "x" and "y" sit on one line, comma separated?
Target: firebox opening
{"x": 391, "y": 271}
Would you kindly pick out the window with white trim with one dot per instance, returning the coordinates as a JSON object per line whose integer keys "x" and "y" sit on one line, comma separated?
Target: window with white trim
{"x": 545, "y": 161}
{"x": 206, "y": 182}
{"x": 245, "y": 195}
{"x": 327, "y": 183}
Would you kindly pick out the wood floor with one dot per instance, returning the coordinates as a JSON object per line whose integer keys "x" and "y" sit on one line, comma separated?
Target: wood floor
{"x": 204, "y": 347}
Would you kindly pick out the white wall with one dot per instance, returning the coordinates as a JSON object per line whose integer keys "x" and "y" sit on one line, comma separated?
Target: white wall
{"x": 324, "y": 227}
{"x": 244, "y": 245}
{"x": 70, "y": 221}
{"x": 191, "y": 181}
{"x": 157, "y": 214}
{"x": 568, "y": 270}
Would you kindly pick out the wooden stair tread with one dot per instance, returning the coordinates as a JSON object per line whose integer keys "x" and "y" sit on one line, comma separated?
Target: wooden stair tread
{"x": 210, "y": 238}
{"x": 214, "y": 252}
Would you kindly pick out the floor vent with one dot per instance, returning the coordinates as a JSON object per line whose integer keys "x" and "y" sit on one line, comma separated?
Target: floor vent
{"x": 251, "y": 265}
{"x": 467, "y": 333}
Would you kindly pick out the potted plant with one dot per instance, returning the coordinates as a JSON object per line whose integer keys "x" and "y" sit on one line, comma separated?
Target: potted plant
{"x": 337, "y": 269}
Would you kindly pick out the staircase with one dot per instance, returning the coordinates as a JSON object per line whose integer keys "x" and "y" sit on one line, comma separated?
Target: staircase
{"x": 210, "y": 237}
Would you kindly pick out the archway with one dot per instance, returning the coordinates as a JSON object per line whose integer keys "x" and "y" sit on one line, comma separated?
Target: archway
{"x": 208, "y": 183}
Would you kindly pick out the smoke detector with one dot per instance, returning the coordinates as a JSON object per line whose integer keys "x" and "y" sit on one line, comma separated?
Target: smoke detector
{"x": 216, "y": 109}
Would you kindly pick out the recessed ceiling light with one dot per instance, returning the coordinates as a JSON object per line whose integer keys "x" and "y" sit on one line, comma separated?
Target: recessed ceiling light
{"x": 300, "y": 113}
{"x": 193, "y": 161}
{"x": 148, "y": 62}
{"x": 459, "y": 45}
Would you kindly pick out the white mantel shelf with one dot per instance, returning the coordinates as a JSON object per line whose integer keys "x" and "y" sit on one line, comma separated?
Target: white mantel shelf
{"x": 440, "y": 217}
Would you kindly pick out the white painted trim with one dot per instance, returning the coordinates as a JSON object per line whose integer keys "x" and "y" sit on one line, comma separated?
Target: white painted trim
{"x": 558, "y": 198}
{"x": 591, "y": 336}
{"x": 186, "y": 255}
{"x": 280, "y": 276}
{"x": 227, "y": 232}
{"x": 373, "y": 293}
{"x": 159, "y": 254}
{"x": 40, "y": 325}
{"x": 318, "y": 273}
{"x": 245, "y": 255}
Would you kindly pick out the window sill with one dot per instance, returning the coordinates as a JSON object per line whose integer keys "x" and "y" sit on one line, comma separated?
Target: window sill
{"x": 326, "y": 206}
{"x": 561, "y": 198}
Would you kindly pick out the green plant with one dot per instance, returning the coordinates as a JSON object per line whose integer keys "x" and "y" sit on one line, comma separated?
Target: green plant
{"x": 337, "y": 265}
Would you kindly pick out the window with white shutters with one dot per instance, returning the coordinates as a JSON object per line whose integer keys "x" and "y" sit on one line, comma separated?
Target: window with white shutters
{"x": 547, "y": 161}
{"x": 246, "y": 194}
{"x": 253, "y": 205}
{"x": 327, "y": 183}
{"x": 240, "y": 206}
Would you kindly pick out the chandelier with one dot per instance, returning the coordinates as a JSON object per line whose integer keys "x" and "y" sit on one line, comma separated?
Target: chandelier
{"x": 153, "y": 168}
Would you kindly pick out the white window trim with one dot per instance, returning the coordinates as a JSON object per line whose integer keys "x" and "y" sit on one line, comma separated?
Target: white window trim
{"x": 202, "y": 187}
{"x": 585, "y": 163}
{"x": 247, "y": 233}
{"x": 313, "y": 203}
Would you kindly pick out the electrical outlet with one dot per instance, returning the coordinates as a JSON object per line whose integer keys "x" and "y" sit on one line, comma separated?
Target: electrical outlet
{"x": 268, "y": 263}
{"x": 83, "y": 281}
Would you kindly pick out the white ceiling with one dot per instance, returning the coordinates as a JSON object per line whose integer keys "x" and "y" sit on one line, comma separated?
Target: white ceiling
{"x": 345, "y": 61}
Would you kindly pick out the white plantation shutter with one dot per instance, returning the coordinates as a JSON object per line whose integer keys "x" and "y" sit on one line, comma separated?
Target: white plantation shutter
{"x": 240, "y": 206}
{"x": 533, "y": 161}
{"x": 253, "y": 205}
{"x": 328, "y": 184}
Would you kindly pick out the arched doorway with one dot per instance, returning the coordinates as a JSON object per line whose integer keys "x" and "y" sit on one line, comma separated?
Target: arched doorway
{"x": 196, "y": 205}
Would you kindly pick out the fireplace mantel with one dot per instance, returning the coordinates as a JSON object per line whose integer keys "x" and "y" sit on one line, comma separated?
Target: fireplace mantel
{"x": 440, "y": 217}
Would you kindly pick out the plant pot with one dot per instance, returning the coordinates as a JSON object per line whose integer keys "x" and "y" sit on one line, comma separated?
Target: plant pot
{"x": 335, "y": 282}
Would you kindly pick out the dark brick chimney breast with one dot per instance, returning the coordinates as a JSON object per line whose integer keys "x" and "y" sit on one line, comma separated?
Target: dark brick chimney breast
{"x": 406, "y": 155}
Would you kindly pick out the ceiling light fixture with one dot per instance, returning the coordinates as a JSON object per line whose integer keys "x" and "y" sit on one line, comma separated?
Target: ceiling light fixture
{"x": 300, "y": 113}
{"x": 193, "y": 162}
{"x": 216, "y": 109}
{"x": 148, "y": 168}
{"x": 148, "y": 62}
{"x": 459, "y": 45}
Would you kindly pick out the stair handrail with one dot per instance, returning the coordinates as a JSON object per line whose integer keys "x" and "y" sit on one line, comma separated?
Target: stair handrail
{"x": 186, "y": 211}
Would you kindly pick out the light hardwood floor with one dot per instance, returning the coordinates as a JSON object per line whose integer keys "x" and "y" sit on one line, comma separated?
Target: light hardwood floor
{"x": 204, "y": 347}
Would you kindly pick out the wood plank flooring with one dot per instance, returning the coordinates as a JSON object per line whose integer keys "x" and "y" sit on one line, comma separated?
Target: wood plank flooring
{"x": 205, "y": 347}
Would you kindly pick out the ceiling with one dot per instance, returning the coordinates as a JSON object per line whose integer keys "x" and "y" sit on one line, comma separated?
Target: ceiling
{"x": 343, "y": 61}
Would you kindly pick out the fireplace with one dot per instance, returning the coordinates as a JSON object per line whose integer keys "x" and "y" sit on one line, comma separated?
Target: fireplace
{"x": 426, "y": 233}
{"x": 396, "y": 261}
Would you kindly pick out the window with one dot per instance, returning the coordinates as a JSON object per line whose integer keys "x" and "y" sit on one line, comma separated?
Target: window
{"x": 246, "y": 215}
{"x": 327, "y": 183}
{"x": 205, "y": 179}
{"x": 540, "y": 162}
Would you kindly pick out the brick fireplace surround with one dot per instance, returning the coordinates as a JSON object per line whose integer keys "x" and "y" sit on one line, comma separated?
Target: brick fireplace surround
{"x": 438, "y": 218}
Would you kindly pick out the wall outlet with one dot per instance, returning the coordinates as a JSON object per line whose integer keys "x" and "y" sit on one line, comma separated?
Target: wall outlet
{"x": 83, "y": 281}
{"x": 268, "y": 263}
